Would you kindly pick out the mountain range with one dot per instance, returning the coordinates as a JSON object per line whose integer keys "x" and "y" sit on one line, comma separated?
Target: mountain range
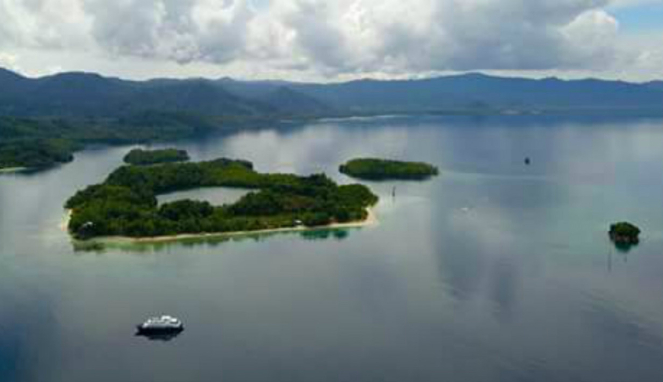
{"x": 79, "y": 94}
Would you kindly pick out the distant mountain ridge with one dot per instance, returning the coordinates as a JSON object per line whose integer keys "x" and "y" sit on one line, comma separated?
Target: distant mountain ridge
{"x": 655, "y": 85}
{"x": 478, "y": 91}
{"x": 92, "y": 95}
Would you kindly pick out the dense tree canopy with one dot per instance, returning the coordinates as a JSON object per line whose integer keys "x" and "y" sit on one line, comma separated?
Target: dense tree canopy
{"x": 141, "y": 157}
{"x": 625, "y": 233}
{"x": 43, "y": 142}
{"x": 126, "y": 205}
{"x": 381, "y": 169}
{"x": 36, "y": 154}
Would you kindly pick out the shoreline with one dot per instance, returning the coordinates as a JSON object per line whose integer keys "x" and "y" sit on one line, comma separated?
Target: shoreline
{"x": 370, "y": 220}
{"x": 64, "y": 223}
{"x": 11, "y": 170}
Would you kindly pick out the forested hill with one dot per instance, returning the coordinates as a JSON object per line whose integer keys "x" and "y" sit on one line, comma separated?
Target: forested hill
{"x": 92, "y": 95}
{"x": 44, "y": 120}
{"x": 470, "y": 93}
{"x": 43, "y": 142}
{"x": 481, "y": 93}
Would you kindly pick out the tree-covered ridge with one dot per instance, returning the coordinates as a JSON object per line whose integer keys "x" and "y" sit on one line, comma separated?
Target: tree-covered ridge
{"x": 86, "y": 94}
{"x": 142, "y": 157}
{"x": 381, "y": 169}
{"x": 43, "y": 142}
{"x": 126, "y": 204}
{"x": 36, "y": 154}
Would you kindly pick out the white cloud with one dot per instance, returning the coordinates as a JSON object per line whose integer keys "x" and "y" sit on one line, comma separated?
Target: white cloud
{"x": 591, "y": 37}
{"x": 43, "y": 23}
{"x": 9, "y": 61}
{"x": 179, "y": 30}
{"x": 332, "y": 39}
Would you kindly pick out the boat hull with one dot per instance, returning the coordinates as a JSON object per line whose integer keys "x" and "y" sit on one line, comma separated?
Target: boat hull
{"x": 158, "y": 331}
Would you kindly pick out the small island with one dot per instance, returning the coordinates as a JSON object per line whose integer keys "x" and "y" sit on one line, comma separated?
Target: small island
{"x": 141, "y": 157}
{"x": 125, "y": 204}
{"x": 381, "y": 169}
{"x": 624, "y": 234}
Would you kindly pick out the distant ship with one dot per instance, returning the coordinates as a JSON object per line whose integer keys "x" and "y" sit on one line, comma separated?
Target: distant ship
{"x": 528, "y": 161}
{"x": 160, "y": 325}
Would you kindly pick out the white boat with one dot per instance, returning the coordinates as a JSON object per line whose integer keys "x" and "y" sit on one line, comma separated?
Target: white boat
{"x": 161, "y": 325}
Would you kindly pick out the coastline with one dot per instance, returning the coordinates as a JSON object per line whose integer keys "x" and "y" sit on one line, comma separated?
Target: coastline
{"x": 370, "y": 220}
{"x": 11, "y": 170}
{"x": 64, "y": 224}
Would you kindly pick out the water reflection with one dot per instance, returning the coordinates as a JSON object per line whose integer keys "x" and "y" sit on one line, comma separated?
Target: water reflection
{"x": 505, "y": 287}
{"x": 617, "y": 255}
{"x": 165, "y": 337}
{"x": 210, "y": 241}
{"x": 625, "y": 247}
{"x": 326, "y": 234}
{"x": 494, "y": 271}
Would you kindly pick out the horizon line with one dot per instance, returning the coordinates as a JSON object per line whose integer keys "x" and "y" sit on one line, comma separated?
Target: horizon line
{"x": 483, "y": 73}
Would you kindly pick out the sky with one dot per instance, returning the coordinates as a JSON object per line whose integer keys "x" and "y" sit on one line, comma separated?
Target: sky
{"x": 326, "y": 41}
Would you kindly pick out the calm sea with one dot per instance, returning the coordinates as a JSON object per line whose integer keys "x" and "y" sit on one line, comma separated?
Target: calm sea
{"x": 494, "y": 271}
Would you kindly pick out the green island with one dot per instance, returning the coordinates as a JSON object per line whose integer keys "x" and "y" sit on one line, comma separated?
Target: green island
{"x": 624, "y": 234}
{"x": 125, "y": 204}
{"x": 381, "y": 169}
{"x": 37, "y": 143}
{"x": 140, "y": 157}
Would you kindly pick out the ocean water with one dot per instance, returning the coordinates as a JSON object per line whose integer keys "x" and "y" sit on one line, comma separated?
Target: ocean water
{"x": 493, "y": 271}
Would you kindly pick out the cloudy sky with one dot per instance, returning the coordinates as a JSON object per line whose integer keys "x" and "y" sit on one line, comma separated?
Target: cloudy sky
{"x": 334, "y": 40}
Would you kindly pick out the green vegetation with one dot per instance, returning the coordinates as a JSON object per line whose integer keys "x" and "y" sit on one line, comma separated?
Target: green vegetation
{"x": 126, "y": 204}
{"x": 380, "y": 169}
{"x": 36, "y": 154}
{"x": 141, "y": 157}
{"x": 625, "y": 234}
{"x": 43, "y": 142}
